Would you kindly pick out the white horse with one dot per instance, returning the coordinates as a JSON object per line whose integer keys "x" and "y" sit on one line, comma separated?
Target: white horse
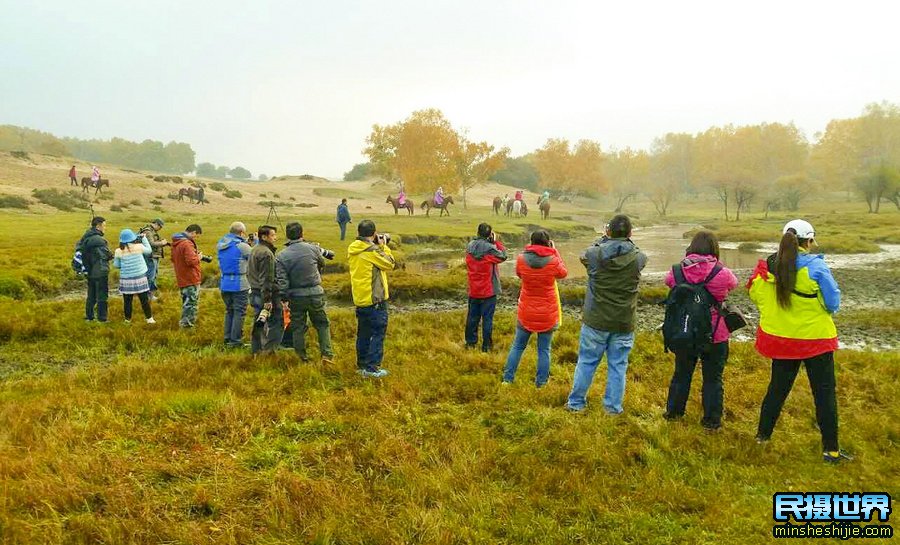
{"x": 517, "y": 208}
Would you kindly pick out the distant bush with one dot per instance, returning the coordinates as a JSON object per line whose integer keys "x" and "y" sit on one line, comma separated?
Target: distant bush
{"x": 263, "y": 195}
{"x": 360, "y": 171}
{"x": 291, "y": 199}
{"x": 749, "y": 246}
{"x": 307, "y": 177}
{"x": 156, "y": 202}
{"x": 118, "y": 207}
{"x": 276, "y": 204}
{"x": 20, "y": 155}
{"x": 306, "y": 205}
{"x": 232, "y": 194}
{"x": 846, "y": 244}
{"x": 14, "y": 201}
{"x": 218, "y": 186}
{"x": 276, "y": 195}
{"x": 59, "y": 200}
{"x": 135, "y": 202}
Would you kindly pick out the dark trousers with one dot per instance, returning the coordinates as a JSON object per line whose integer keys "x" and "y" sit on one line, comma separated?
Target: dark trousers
{"x": 266, "y": 336}
{"x": 145, "y": 304}
{"x": 97, "y": 295}
{"x": 235, "y": 310}
{"x": 343, "y": 229}
{"x": 820, "y": 370}
{"x": 713, "y": 364}
{"x": 481, "y": 310}
{"x": 312, "y": 306}
{"x": 371, "y": 326}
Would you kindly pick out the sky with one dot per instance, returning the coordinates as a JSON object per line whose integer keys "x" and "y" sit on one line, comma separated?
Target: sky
{"x": 294, "y": 87}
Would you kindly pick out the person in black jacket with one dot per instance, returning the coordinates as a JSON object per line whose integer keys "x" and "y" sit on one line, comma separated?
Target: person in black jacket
{"x": 264, "y": 297}
{"x": 96, "y": 256}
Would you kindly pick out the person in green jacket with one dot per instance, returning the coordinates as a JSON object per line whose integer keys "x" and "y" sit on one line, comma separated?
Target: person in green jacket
{"x": 614, "y": 266}
{"x": 96, "y": 257}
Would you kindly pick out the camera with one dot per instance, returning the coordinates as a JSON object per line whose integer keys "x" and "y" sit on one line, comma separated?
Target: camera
{"x": 206, "y": 258}
{"x": 326, "y": 253}
{"x": 384, "y": 238}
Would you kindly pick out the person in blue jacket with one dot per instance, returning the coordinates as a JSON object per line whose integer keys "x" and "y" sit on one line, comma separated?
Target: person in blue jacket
{"x": 343, "y": 217}
{"x": 234, "y": 255}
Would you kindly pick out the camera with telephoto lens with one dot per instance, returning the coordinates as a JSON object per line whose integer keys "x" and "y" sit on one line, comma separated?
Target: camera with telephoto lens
{"x": 326, "y": 253}
{"x": 206, "y": 258}
{"x": 384, "y": 238}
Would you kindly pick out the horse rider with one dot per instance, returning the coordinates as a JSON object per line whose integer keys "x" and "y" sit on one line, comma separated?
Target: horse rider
{"x": 401, "y": 197}
{"x": 439, "y": 196}
{"x": 519, "y": 194}
{"x": 95, "y": 175}
{"x": 545, "y": 197}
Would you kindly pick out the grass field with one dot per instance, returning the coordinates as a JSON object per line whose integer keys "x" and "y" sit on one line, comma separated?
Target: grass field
{"x": 148, "y": 434}
{"x": 138, "y": 434}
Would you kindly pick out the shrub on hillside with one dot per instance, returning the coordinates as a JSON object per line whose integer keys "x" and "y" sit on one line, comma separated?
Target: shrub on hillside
{"x": 117, "y": 207}
{"x": 14, "y": 201}
{"x": 218, "y": 186}
{"x": 232, "y": 194}
{"x": 61, "y": 201}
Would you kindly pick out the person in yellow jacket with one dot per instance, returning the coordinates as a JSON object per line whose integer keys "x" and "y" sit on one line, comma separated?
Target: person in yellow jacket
{"x": 796, "y": 296}
{"x": 370, "y": 258}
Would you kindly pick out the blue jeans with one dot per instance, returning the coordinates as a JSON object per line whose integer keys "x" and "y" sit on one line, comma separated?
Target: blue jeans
{"x": 235, "y": 310}
{"x": 152, "y": 272}
{"x": 343, "y": 229}
{"x": 591, "y": 346}
{"x": 518, "y": 348}
{"x": 371, "y": 326}
{"x": 481, "y": 310}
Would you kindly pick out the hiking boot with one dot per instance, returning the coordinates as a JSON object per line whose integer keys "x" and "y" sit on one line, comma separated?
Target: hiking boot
{"x": 836, "y": 457}
{"x": 150, "y": 320}
{"x": 379, "y": 373}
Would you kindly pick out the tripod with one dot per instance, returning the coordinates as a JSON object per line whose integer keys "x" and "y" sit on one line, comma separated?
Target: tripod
{"x": 273, "y": 213}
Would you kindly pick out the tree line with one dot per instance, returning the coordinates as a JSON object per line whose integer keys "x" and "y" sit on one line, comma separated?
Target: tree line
{"x": 767, "y": 166}
{"x": 209, "y": 170}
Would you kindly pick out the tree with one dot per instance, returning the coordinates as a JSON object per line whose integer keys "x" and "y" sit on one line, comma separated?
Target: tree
{"x": 360, "y": 171}
{"x": 627, "y": 171}
{"x": 421, "y": 151}
{"x": 670, "y": 170}
{"x": 517, "y": 172}
{"x": 240, "y": 173}
{"x": 206, "y": 170}
{"x": 263, "y": 178}
{"x": 222, "y": 172}
{"x": 178, "y": 157}
{"x": 475, "y": 162}
{"x": 861, "y": 153}
{"x": 562, "y": 168}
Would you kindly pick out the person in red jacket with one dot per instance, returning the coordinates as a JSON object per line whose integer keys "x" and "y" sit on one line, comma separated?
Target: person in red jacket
{"x": 186, "y": 259}
{"x": 483, "y": 254}
{"x": 73, "y": 178}
{"x": 539, "y": 267}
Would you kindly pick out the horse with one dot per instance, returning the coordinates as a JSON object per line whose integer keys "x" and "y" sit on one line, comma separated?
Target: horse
{"x": 191, "y": 193}
{"x": 408, "y": 205}
{"x": 429, "y": 204}
{"x": 545, "y": 208}
{"x": 512, "y": 205}
{"x": 87, "y": 182}
{"x": 498, "y": 202}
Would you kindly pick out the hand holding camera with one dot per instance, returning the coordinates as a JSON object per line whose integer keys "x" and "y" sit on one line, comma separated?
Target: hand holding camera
{"x": 206, "y": 258}
{"x": 326, "y": 253}
{"x": 383, "y": 238}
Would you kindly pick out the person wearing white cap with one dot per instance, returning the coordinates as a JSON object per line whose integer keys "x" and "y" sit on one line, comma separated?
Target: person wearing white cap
{"x": 796, "y": 296}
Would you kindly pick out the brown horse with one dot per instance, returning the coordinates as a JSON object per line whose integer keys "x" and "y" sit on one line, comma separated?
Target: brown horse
{"x": 498, "y": 202}
{"x": 190, "y": 192}
{"x": 87, "y": 182}
{"x": 545, "y": 208}
{"x": 408, "y": 205}
{"x": 429, "y": 204}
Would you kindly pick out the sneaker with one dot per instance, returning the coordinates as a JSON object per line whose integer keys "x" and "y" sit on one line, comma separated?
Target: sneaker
{"x": 836, "y": 457}
{"x": 760, "y": 440}
{"x": 575, "y": 410}
{"x": 487, "y": 349}
{"x": 470, "y": 346}
{"x": 506, "y": 383}
{"x": 150, "y": 320}
{"x": 380, "y": 373}
{"x": 672, "y": 416}
{"x": 127, "y": 321}
{"x": 327, "y": 360}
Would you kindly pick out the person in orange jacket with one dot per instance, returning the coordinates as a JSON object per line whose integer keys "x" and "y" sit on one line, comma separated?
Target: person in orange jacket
{"x": 539, "y": 267}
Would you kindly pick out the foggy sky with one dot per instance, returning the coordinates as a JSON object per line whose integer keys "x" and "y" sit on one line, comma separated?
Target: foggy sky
{"x": 284, "y": 87}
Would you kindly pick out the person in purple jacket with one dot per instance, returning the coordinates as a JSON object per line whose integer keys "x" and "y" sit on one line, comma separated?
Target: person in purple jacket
{"x": 701, "y": 256}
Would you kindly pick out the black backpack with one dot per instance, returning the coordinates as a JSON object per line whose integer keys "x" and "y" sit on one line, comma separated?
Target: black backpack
{"x": 688, "y": 323}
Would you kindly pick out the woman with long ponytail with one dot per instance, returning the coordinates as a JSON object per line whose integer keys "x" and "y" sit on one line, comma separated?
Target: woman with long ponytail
{"x": 796, "y": 296}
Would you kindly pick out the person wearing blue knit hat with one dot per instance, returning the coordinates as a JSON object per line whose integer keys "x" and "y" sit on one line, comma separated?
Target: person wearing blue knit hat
{"x": 129, "y": 259}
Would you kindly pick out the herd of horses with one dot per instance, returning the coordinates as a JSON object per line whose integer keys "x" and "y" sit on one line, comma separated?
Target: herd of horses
{"x": 513, "y": 207}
